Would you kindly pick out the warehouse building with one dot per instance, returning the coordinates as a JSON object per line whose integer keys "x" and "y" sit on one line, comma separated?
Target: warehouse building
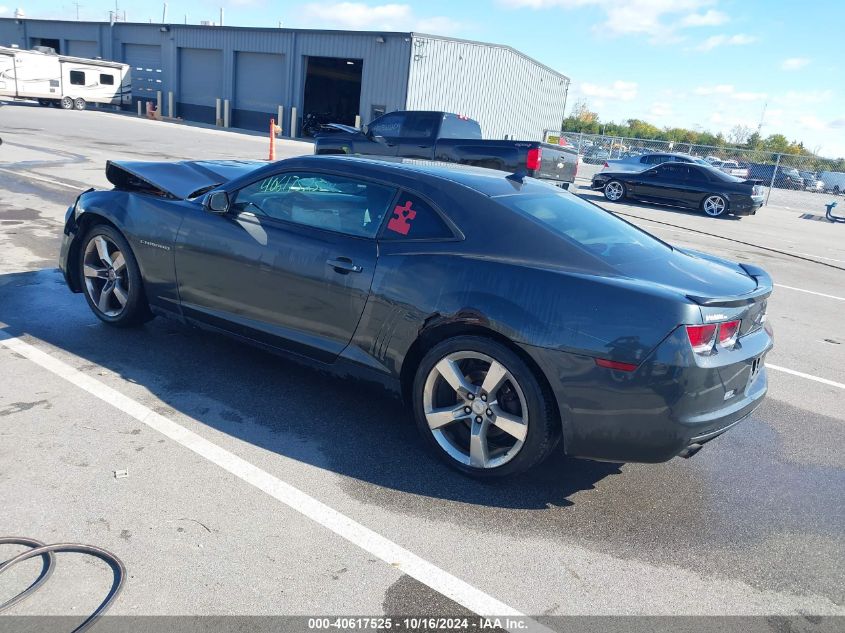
{"x": 337, "y": 75}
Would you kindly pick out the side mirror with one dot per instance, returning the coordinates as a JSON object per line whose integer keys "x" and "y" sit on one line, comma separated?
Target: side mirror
{"x": 217, "y": 202}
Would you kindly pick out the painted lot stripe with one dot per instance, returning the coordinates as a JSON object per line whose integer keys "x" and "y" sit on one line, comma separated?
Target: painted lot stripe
{"x": 30, "y": 176}
{"x": 801, "y": 374}
{"x": 404, "y": 560}
{"x": 811, "y": 292}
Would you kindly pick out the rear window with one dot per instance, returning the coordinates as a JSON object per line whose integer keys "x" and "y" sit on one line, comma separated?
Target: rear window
{"x": 454, "y": 126}
{"x": 719, "y": 176}
{"x": 587, "y": 226}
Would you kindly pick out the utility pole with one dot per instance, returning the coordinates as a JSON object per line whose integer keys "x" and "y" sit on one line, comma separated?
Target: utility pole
{"x": 77, "y": 5}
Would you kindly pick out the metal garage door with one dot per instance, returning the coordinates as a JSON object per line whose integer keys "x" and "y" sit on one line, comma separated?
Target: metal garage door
{"x": 82, "y": 48}
{"x": 259, "y": 90}
{"x": 145, "y": 62}
{"x": 200, "y": 83}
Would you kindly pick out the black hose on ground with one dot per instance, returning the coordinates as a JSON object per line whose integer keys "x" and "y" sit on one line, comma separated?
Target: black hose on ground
{"x": 38, "y": 548}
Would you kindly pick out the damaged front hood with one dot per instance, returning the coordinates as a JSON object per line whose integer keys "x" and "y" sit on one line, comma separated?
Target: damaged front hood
{"x": 183, "y": 180}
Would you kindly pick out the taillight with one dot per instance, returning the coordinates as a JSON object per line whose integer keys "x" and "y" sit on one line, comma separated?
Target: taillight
{"x": 728, "y": 333}
{"x": 605, "y": 164}
{"x": 702, "y": 337}
{"x": 532, "y": 161}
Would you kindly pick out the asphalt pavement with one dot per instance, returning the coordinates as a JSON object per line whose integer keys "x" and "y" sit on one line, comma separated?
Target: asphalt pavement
{"x": 254, "y": 485}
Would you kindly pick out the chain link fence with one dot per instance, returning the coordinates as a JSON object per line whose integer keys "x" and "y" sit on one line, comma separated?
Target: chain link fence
{"x": 792, "y": 181}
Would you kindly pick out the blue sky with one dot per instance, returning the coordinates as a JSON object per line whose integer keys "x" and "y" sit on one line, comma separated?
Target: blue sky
{"x": 706, "y": 64}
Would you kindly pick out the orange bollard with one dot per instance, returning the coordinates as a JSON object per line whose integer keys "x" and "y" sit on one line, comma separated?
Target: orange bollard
{"x": 274, "y": 129}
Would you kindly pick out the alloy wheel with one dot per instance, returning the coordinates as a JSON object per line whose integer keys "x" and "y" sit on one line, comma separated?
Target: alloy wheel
{"x": 106, "y": 276}
{"x": 475, "y": 409}
{"x": 714, "y": 206}
{"x": 613, "y": 191}
{"x": 66, "y": 103}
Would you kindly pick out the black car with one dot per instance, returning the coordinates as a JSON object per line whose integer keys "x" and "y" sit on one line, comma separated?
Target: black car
{"x": 508, "y": 313}
{"x": 683, "y": 185}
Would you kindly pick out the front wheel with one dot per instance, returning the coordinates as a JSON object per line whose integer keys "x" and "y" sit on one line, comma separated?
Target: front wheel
{"x": 111, "y": 278}
{"x": 482, "y": 409}
{"x": 614, "y": 191}
{"x": 715, "y": 206}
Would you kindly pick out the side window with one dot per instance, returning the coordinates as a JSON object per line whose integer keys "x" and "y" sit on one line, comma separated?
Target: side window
{"x": 388, "y": 125}
{"x": 106, "y": 80}
{"x": 77, "y": 78}
{"x": 653, "y": 159}
{"x": 323, "y": 201}
{"x": 415, "y": 219}
{"x": 695, "y": 174}
{"x": 422, "y": 125}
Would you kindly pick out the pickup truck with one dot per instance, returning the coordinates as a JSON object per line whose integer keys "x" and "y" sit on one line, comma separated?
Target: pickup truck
{"x": 447, "y": 137}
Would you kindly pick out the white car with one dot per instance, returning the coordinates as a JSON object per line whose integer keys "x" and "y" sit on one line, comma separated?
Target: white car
{"x": 833, "y": 181}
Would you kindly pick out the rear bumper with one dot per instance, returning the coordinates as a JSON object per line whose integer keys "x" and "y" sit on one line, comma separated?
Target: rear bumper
{"x": 746, "y": 206}
{"x": 658, "y": 411}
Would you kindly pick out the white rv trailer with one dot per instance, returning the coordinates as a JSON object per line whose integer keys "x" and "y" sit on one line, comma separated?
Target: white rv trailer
{"x": 62, "y": 81}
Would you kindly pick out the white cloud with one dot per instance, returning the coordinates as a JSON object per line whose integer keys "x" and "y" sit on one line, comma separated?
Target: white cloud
{"x": 794, "y": 63}
{"x": 799, "y": 98}
{"x": 381, "y": 17}
{"x": 618, "y": 90}
{"x": 727, "y": 90}
{"x": 837, "y": 123}
{"x": 4, "y": 10}
{"x": 721, "y": 89}
{"x": 811, "y": 121}
{"x": 714, "y": 41}
{"x": 658, "y": 19}
{"x": 710, "y": 18}
{"x": 660, "y": 109}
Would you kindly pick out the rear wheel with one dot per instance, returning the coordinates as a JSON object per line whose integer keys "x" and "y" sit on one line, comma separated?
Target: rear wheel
{"x": 715, "y": 206}
{"x": 79, "y": 103}
{"x": 111, "y": 278}
{"x": 614, "y": 191}
{"x": 66, "y": 103}
{"x": 482, "y": 409}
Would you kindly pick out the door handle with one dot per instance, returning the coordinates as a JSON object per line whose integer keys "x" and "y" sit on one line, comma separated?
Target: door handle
{"x": 344, "y": 265}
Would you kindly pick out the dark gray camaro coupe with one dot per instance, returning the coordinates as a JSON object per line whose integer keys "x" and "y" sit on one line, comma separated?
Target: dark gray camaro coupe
{"x": 508, "y": 313}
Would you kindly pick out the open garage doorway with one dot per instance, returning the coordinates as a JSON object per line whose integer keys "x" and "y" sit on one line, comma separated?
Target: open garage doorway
{"x": 332, "y": 92}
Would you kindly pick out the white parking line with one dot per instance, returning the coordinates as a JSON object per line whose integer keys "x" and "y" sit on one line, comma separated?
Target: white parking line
{"x": 402, "y": 559}
{"x": 810, "y": 292}
{"x": 41, "y": 178}
{"x": 801, "y": 374}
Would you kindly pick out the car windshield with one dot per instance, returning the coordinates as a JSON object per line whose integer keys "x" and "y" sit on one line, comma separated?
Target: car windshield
{"x": 587, "y": 226}
{"x": 718, "y": 174}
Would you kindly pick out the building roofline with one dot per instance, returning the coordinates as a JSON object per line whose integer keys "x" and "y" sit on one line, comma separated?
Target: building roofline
{"x": 409, "y": 34}
{"x": 493, "y": 45}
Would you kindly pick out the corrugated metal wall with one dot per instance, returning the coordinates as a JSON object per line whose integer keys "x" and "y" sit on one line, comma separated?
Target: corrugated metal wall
{"x": 508, "y": 93}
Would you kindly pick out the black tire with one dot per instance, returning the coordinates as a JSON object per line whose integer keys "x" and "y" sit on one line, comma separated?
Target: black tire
{"x": 543, "y": 423}
{"x": 79, "y": 104}
{"x": 614, "y": 191}
{"x": 136, "y": 310}
{"x": 66, "y": 103}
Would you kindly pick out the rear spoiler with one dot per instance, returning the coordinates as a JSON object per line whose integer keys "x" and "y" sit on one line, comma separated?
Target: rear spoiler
{"x": 763, "y": 290}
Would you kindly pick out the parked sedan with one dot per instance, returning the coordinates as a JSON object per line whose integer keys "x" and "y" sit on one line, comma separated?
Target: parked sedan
{"x": 510, "y": 314}
{"x": 684, "y": 185}
{"x": 811, "y": 181}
